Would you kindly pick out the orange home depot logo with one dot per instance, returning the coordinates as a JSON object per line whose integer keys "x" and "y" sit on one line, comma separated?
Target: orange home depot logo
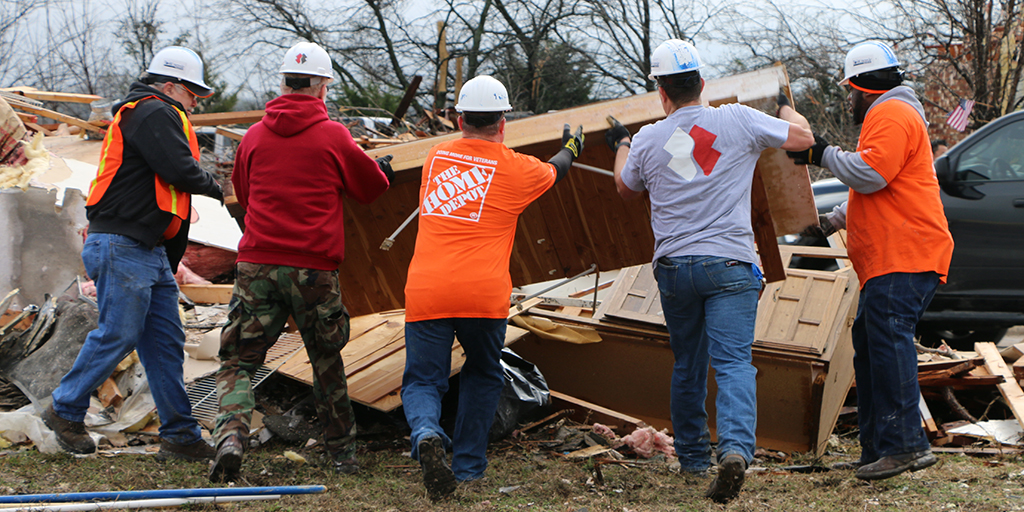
{"x": 457, "y": 186}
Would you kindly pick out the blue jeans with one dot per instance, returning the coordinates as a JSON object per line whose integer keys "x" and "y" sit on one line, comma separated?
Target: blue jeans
{"x": 138, "y": 306}
{"x": 710, "y": 304}
{"x": 428, "y": 363}
{"x": 885, "y": 363}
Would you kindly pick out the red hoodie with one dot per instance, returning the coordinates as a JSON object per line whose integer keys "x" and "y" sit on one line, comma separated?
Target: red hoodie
{"x": 291, "y": 170}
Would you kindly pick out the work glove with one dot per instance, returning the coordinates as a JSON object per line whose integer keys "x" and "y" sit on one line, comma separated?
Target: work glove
{"x": 781, "y": 101}
{"x": 810, "y": 155}
{"x": 384, "y": 163}
{"x": 573, "y": 141}
{"x": 614, "y": 135}
{"x": 824, "y": 230}
{"x": 217, "y": 193}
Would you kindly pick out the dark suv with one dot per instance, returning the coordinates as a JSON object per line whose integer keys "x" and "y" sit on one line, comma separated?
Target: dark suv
{"x": 982, "y": 181}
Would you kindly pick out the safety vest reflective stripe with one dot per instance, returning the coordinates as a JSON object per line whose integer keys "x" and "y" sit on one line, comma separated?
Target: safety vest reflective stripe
{"x": 168, "y": 198}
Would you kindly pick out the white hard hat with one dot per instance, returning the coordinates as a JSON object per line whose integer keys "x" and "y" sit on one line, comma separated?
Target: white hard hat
{"x": 183, "y": 64}
{"x": 867, "y": 57}
{"x": 307, "y": 59}
{"x": 672, "y": 57}
{"x": 483, "y": 94}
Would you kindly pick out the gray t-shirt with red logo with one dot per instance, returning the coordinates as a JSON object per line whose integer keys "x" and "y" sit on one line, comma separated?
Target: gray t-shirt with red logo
{"x": 698, "y": 164}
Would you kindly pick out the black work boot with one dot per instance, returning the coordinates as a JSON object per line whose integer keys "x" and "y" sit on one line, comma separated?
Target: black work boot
{"x": 228, "y": 463}
{"x": 888, "y": 467}
{"x": 71, "y": 435}
{"x": 195, "y": 452}
{"x": 438, "y": 477}
{"x": 726, "y": 486}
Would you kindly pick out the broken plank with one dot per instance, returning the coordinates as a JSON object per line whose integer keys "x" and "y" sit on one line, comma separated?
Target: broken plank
{"x": 1010, "y": 390}
{"x": 230, "y": 133}
{"x": 27, "y": 118}
{"x": 208, "y": 293}
{"x": 587, "y": 413}
{"x": 219, "y": 118}
{"x": 57, "y": 116}
{"x": 64, "y": 97}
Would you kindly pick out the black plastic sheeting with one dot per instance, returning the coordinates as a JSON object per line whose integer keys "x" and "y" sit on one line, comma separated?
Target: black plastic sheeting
{"x": 525, "y": 398}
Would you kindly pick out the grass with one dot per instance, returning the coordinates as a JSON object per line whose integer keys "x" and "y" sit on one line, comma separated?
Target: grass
{"x": 521, "y": 477}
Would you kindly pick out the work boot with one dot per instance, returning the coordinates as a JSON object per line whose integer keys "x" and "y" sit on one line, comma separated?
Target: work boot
{"x": 228, "y": 462}
{"x": 888, "y": 467}
{"x": 346, "y": 466}
{"x": 727, "y": 484}
{"x": 852, "y": 466}
{"x": 195, "y": 452}
{"x": 71, "y": 435}
{"x": 438, "y": 477}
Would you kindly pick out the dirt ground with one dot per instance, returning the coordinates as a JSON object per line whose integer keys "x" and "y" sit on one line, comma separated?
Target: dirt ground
{"x": 523, "y": 476}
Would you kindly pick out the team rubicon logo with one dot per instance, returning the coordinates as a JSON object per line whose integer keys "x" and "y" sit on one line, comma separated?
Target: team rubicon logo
{"x": 300, "y": 58}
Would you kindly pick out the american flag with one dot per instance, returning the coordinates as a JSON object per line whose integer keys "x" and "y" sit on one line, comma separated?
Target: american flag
{"x": 959, "y": 116}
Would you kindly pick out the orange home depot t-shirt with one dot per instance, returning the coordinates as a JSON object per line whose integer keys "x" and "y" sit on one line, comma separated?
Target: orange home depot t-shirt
{"x": 470, "y": 199}
{"x": 902, "y": 227}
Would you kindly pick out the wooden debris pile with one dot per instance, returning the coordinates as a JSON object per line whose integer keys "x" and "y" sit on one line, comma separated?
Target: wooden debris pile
{"x": 972, "y": 401}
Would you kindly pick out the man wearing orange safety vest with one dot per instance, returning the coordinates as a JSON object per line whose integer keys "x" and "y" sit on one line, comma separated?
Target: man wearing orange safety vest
{"x": 138, "y": 209}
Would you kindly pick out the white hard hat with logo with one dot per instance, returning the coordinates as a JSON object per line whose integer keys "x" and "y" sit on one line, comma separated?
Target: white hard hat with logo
{"x": 307, "y": 59}
{"x": 483, "y": 94}
{"x": 867, "y": 57}
{"x": 672, "y": 57}
{"x": 182, "y": 64}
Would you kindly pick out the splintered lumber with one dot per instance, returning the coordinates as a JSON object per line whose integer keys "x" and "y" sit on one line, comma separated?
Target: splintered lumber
{"x": 1010, "y": 390}
{"x": 208, "y": 293}
{"x": 586, "y": 412}
{"x": 64, "y": 118}
{"x": 65, "y": 97}
{"x": 219, "y": 118}
{"x": 230, "y": 133}
{"x": 410, "y": 94}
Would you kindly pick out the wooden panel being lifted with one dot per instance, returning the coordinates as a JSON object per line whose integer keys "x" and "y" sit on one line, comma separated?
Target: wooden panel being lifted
{"x": 580, "y": 221}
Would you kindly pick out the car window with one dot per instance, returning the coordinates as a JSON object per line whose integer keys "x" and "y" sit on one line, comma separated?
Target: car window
{"x": 997, "y": 157}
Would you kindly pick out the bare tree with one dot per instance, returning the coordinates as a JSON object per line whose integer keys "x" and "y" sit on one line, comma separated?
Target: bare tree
{"x": 529, "y": 38}
{"x": 138, "y": 30}
{"x": 360, "y": 36}
{"x": 970, "y": 49}
{"x": 13, "y": 14}
{"x": 625, "y": 32}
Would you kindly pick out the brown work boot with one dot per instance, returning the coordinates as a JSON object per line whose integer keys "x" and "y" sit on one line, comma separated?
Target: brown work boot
{"x": 727, "y": 484}
{"x": 888, "y": 467}
{"x": 195, "y": 452}
{"x": 228, "y": 463}
{"x": 438, "y": 477}
{"x": 71, "y": 435}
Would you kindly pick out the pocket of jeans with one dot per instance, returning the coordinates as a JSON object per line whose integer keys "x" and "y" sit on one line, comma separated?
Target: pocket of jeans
{"x": 728, "y": 274}
{"x": 665, "y": 275}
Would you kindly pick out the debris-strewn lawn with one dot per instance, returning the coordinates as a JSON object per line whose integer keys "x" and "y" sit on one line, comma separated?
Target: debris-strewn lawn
{"x": 521, "y": 478}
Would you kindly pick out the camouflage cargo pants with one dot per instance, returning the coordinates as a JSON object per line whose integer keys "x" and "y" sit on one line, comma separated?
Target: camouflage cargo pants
{"x": 262, "y": 299}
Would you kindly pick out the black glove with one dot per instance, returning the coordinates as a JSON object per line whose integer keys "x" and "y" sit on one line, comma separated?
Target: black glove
{"x": 217, "y": 193}
{"x": 781, "y": 101}
{"x": 823, "y": 231}
{"x": 614, "y": 135}
{"x": 384, "y": 163}
{"x": 573, "y": 141}
{"x": 810, "y": 155}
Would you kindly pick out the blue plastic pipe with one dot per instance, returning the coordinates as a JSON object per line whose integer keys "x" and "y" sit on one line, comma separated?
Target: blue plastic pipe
{"x": 161, "y": 493}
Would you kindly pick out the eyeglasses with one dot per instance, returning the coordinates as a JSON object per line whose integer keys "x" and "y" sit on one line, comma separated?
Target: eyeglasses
{"x": 194, "y": 95}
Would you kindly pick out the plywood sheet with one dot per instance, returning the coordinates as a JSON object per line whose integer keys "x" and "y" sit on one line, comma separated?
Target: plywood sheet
{"x": 375, "y": 358}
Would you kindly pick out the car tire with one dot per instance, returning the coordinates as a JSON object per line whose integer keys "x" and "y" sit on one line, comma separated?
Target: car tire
{"x": 960, "y": 338}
